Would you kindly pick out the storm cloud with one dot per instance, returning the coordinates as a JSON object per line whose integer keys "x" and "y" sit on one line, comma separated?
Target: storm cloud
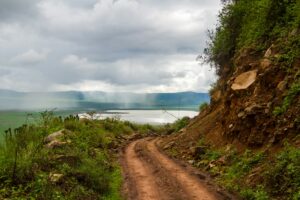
{"x": 105, "y": 45}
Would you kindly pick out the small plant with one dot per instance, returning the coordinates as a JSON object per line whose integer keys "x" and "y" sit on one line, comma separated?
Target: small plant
{"x": 284, "y": 173}
{"x": 258, "y": 193}
{"x": 293, "y": 92}
{"x": 203, "y": 106}
{"x": 181, "y": 123}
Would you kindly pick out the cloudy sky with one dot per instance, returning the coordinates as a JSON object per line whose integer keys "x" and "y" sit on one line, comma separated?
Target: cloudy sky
{"x": 105, "y": 45}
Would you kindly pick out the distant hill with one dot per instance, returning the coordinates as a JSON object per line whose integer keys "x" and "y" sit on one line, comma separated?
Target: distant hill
{"x": 100, "y": 100}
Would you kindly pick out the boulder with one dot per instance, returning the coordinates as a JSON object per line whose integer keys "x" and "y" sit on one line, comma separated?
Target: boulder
{"x": 54, "y": 136}
{"x": 54, "y": 140}
{"x": 244, "y": 80}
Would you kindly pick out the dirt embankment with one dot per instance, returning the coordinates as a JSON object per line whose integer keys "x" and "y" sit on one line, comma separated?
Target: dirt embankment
{"x": 149, "y": 174}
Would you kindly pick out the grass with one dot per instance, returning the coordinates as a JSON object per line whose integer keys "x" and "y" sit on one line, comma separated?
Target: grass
{"x": 86, "y": 161}
{"x": 256, "y": 24}
{"x": 254, "y": 175}
{"x": 14, "y": 119}
{"x": 116, "y": 183}
{"x": 203, "y": 106}
{"x": 293, "y": 92}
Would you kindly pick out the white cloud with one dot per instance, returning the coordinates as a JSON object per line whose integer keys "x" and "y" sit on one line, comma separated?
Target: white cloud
{"x": 30, "y": 57}
{"x": 124, "y": 45}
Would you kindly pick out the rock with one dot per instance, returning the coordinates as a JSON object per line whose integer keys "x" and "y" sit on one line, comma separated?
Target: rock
{"x": 252, "y": 108}
{"x": 241, "y": 114}
{"x": 55, "y": 144}
{"x": 182, "y": 130}
{"x": 169, "y": 145}
{"x": 269, "y": 104}
{"x": 268, "y": 52}
{"x": 267, "y": 111}
{"x": 222, "y": 160}
{"x": 294, "y": 32}
{"x": 54, "y": 140}
{"x": 191, "y": 162}
{"x": 282, "y": 86}
{"x": 54, "y": 136}
{"x": 211, "y": 165}
{"x": 197, "y": 151}
{"x": 265, "y": 63}
{"x": 133, "y": 137}
{"x": 55, "y": 178}
{"x": 244, "y": 80}
{"x": 216, "y": 96}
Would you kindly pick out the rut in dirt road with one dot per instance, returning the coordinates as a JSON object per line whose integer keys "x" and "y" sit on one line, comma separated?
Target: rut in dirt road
{"x": 151, "y": 175}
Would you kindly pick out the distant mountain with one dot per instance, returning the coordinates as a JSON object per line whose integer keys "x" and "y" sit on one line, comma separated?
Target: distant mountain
{"x": 100, "y": 100}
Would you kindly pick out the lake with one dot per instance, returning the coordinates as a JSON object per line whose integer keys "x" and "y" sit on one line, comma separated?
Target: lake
{"x": 14, "y": 119}
{"x": 143, "y": 116}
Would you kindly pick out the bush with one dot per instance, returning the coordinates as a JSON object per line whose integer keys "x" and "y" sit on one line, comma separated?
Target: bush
{"x": 255, "y": 23}
{"x": 203, "y": 106}
{"x": 88, "y": 172}
{"x": 284, "y": 173}
{"x": 181, "y": 123}
{"x": 292, "y": 93}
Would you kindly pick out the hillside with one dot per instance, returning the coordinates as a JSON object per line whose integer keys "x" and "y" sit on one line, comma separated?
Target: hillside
{"x": 248, "y": 137}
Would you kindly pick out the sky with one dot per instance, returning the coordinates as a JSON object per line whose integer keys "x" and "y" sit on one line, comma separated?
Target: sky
{"x": 105, "y": 45}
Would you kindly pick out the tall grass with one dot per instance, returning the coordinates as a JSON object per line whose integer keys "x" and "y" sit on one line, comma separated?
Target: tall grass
{"x": 86, "y": 163}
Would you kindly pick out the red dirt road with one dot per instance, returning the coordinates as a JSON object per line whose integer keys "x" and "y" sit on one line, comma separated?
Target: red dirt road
{"x": 151, "y": 175}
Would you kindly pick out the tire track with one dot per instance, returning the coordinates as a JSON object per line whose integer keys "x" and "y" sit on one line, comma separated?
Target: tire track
{"x": 151, "y": 175}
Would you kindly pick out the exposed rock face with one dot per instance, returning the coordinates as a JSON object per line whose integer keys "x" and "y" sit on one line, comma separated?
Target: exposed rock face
{"x": 244, "y": 80}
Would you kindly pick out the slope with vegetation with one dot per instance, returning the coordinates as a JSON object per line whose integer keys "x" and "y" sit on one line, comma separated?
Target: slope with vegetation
{"x": 64, "y": 158}
{"x": 248, "y": 137}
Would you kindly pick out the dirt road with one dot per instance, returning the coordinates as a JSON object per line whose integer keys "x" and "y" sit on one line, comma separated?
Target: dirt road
{"x": 151, "y": 175}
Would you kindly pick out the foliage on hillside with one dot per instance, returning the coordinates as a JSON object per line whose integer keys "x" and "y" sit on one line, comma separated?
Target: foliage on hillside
{"x": 255, "y": 175}
{"x": 81, "y": 165}
{"x": 261, "y": 36}
{"x": 256, "y": 24}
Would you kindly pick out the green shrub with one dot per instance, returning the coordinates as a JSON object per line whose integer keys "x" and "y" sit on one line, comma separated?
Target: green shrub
{"x": 283, "y": 175}
{"x": 256, "y": 24}
{"x": 292, "y": 93}
{"x": 258, "y": 193}
{"x": 86, "y": 162}
{"x": 181, "y": 123}
{"x": 203, "y": 106}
